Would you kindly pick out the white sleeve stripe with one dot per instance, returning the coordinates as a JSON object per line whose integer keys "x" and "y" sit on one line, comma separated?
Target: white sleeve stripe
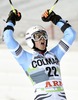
{"x": 62, "y": 49}
{"x": 19, "y": 54}
{"x": 18, "y": 51}
{"x": 65, "y": 42}
{"x": 63, "y": 45}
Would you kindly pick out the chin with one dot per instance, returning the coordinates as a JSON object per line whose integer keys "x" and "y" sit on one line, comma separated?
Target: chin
{"x": 42, "y": 48}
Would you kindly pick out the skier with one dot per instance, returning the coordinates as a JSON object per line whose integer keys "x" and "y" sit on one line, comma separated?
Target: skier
{"x": 41, "y": 66}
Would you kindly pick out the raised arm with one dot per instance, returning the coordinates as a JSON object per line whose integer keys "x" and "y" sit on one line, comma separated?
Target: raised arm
{"x": 65, "y": 27}
{"x": 22, "y": 56}
{"x": 9, "y": 30}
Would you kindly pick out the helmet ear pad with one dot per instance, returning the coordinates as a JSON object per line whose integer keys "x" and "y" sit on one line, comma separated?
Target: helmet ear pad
{"x": 29, "y": 42}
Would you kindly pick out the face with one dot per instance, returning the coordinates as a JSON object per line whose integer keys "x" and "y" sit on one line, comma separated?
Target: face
{"x": 40, "y": 38}
{"x": 40, "y": 44}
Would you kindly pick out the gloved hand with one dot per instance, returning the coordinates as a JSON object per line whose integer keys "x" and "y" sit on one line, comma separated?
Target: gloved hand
{"x": 46, "y": 17}
{"x": 14, "y": 16}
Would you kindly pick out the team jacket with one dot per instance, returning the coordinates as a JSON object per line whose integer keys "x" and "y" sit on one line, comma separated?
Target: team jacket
{"x": 43, "y": 70}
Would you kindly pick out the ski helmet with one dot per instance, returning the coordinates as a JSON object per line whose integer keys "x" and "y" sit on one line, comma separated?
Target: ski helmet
{"x": 30, "y": 32}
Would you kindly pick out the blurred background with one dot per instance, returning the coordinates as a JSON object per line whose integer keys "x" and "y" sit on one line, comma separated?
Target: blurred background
{"x": 14, "y": 84}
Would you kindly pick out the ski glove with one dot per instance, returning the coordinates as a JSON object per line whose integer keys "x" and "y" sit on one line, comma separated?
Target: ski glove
{"x": 14, "y": 16}
{"x": 46, "y": 17}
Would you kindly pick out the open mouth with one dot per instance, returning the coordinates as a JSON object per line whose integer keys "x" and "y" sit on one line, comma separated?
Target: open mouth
{"x": 42, "y": 43}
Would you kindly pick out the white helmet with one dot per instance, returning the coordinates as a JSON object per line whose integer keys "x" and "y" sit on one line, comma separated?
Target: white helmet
{"x": 30, "y": 33}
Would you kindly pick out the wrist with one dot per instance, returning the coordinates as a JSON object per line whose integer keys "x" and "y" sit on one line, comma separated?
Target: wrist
{"x": 56, "y": 19}
{"x": 10, "y": 23}
{"x": 63, "y": 25}
{"x": 13, "y": 22}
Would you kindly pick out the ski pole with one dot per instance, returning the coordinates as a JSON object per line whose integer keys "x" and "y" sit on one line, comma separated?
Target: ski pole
{"x": 51, "y": 9}
{"x": 12, "y": 6}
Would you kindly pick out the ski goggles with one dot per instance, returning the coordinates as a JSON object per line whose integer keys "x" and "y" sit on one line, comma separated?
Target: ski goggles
{"x": 36, "y": 36}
